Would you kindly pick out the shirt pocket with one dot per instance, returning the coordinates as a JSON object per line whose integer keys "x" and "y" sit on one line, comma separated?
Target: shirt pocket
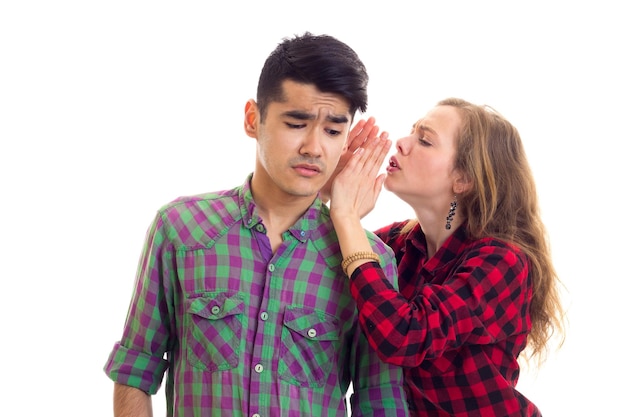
{"x": 214, "y": 331}
{"x": 309, "y": 342}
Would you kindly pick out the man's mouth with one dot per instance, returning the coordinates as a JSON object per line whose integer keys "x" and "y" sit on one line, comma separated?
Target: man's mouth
{"x": 307, "y": 169}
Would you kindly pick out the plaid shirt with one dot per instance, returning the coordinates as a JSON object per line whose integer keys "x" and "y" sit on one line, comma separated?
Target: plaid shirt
{"x": 242, "y": 331}
{"x": 458, "y": 325}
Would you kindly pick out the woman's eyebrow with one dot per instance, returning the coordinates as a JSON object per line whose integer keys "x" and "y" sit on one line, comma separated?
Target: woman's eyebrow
{"x": 428, "y": 129}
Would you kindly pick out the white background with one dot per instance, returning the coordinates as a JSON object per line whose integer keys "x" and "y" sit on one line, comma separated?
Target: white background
{"x": 110, "y": 109}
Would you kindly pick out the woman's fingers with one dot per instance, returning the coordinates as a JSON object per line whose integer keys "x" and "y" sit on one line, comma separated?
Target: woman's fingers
{"x": 356, "y": 189}
{"x": 362, "y": 131}
{"x": 368, "y": 160}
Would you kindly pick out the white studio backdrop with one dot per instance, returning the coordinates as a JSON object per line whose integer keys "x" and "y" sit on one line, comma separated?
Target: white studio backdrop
{"x": 110, "y": 109}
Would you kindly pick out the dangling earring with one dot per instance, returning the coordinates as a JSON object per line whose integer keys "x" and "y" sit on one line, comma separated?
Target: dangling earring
{"x": 451, "y": 213}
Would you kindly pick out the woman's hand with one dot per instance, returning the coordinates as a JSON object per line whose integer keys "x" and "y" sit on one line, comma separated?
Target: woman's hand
{"x": 363, "y": 131}
{"x": 356, "y": 188}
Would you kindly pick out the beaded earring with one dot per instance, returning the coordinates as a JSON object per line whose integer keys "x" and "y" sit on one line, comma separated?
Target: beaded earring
{"x": 451, "y": 213}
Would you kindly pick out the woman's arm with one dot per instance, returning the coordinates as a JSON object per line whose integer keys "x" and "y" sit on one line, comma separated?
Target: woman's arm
{"x": 484, "y": 300}
{"x": 354, "y": 193}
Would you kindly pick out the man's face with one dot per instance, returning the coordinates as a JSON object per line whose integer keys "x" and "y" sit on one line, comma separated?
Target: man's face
{"x": 300, "y": 141}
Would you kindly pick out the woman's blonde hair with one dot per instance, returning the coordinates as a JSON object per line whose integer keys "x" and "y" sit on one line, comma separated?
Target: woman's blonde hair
{"x": 503, "y": 203}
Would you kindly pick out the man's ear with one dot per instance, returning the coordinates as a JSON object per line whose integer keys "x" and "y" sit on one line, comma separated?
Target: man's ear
{"x": 251, "y": 118}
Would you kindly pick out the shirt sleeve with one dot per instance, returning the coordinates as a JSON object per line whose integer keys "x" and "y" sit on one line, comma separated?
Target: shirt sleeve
{"x": 137, "y": 359}
{"x": 377, "y": 386}
{"x": 484, "y": 300}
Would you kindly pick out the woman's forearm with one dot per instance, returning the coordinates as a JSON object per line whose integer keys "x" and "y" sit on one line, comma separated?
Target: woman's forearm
{"x": 354, "y": 193}
{"x": 352, "y": 239}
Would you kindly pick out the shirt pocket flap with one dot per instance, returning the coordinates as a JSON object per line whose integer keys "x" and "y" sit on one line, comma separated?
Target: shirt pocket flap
{"x": 216, "y": 306}
{"x": 312, "y": 324}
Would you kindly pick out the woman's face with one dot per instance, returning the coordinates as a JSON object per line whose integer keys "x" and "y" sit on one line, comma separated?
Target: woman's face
{"x": 422, "y": 171}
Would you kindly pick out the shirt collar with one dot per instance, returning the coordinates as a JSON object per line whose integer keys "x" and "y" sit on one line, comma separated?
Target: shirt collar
{"x": 301, "y": 229}
{"x": 448, "y": 252}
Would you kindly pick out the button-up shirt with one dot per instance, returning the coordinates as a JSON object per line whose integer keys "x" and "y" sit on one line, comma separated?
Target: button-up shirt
{"x": 458, "y": 325}
{"x": 242, "y": 331}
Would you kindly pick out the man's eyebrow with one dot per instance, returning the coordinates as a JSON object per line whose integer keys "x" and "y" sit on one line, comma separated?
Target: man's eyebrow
{"x": 337, "y": 119}
{"x": 301, "y": 115}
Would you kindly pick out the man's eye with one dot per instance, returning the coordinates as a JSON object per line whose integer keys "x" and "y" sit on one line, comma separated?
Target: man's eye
{"x": 333, "y": 132}
{"x": 294, "y": 126}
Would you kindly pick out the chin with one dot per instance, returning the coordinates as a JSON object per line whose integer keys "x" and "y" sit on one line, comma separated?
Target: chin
{"x": 387, "y": 183}
{"x": 307, "y": 188}
{"x": 303, "y": 192}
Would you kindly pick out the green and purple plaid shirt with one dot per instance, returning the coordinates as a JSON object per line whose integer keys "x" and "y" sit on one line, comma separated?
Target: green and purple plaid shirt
{"x": 245, "y": 332}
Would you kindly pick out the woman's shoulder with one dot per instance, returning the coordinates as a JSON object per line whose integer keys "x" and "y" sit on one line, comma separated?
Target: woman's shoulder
{"x": 495, "y": 247}
{"x": 395, "y": 231}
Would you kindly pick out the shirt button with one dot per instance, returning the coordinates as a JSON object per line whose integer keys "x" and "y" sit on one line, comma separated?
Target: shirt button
{"x": 302, "y": 233}
{"x": 271, "y": 267}
{"x": 264, "y": 316}
{"x": 215, "y": 309}
{"x": 258, "y": 368}
{"x": 312, "y": 333}
{"x": 256, "y": 415}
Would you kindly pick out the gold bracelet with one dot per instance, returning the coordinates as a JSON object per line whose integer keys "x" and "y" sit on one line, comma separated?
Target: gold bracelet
{"x": 358, "y": 256}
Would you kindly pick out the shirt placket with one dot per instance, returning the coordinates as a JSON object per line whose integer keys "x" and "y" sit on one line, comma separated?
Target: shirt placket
{"x": 267, "y": 323}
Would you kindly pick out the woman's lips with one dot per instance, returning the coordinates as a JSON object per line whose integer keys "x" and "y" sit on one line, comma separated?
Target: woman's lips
{"x": 393, "y": 164}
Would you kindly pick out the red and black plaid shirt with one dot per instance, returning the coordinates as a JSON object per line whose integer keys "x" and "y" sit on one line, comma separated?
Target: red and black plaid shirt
{"x": 457, "y": 326}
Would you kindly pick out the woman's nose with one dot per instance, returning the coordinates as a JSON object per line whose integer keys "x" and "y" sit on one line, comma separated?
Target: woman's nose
{"x": 403, "y": 145}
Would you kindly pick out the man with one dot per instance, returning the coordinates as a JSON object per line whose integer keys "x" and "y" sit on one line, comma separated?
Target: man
{"x": 240, "y": 295}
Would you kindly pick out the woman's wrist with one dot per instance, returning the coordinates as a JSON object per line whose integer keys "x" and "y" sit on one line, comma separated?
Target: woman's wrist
{"x": 353, "y": 260}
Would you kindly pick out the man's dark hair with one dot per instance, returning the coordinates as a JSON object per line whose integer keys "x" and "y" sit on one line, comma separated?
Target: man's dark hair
{"x": 321, "y": 60}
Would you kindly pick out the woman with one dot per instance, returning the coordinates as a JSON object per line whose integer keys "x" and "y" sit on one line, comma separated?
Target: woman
{"x": 477, "y": 286}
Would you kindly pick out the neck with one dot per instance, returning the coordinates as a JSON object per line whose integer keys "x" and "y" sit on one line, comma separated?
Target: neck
{"x": 434, "y": 228}
{"x": 279, "y": 210}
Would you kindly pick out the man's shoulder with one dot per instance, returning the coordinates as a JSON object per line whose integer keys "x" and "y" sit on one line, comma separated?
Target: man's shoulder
{"x": 216, "y": 201}
{"x": 378, "y": 245}
{"x": 198, "y": 220}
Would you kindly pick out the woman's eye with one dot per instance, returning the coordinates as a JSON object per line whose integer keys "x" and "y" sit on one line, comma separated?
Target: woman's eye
{"x": 424, "y": 141}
